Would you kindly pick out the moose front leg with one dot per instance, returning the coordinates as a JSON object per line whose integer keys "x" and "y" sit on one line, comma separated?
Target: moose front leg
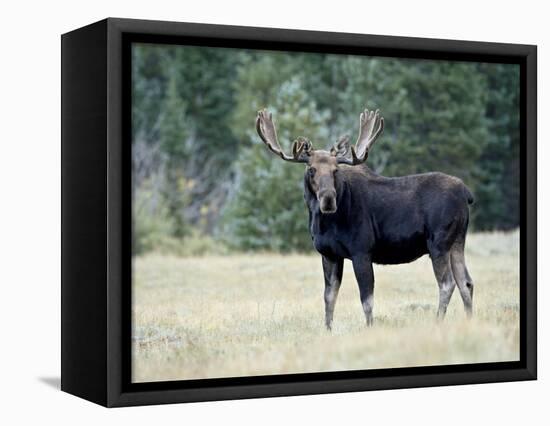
{"x": 333, "y": 278}
{"x": 362, "y": 266}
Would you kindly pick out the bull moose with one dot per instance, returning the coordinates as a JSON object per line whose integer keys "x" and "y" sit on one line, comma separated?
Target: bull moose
{"x": 356, "y": 214}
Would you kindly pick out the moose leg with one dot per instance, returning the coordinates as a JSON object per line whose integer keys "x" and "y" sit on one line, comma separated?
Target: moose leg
{"x": 462, "y": 277}
{"x": 333, "y": 270}
{"x": 362, "y": 266}
{"x": 445, "y": 280}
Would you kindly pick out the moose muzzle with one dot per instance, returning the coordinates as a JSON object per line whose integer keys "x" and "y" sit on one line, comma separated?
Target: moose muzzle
{"x": 327, "y": 201}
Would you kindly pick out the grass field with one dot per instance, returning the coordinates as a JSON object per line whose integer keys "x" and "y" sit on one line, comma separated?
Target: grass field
{"x": 235, "y": 315}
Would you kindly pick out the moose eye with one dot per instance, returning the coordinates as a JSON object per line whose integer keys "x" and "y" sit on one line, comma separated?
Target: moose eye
{"x": 312, "y": 171}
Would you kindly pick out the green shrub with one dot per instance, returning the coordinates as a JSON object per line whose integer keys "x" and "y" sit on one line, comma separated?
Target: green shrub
{"x": 154, "y": 231}
{"x": 151, "y": 221}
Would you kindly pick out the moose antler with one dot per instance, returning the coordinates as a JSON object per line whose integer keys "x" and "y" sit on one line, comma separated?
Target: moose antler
{"x": 342, "y": 148}
{"x": 371, "y": 125}
{"x": 301, "y": 148}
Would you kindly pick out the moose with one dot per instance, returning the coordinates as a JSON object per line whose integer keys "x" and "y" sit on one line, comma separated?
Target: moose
{"x": 357, "y": 214}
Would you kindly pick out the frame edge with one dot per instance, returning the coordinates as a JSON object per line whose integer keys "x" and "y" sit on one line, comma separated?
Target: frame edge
{"x": 83, "y": 190}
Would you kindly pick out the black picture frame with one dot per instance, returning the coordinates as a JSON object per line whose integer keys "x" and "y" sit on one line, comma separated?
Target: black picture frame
{"x": 96, "y": 213}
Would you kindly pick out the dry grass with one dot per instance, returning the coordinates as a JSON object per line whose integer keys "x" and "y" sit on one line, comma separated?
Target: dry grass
{"x": 225, "y": 316}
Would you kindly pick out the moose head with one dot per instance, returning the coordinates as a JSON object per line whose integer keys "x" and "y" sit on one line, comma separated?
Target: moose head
{"x": 323, "y": 165}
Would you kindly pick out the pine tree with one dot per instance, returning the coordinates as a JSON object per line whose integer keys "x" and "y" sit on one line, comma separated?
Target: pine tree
{"x": 498, "y": 191}
{"x": 174, "y": 134}
{"x": 268, "y": 211}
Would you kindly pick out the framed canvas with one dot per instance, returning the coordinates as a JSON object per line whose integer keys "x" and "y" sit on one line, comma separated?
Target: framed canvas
{"x": 192, "y": 268}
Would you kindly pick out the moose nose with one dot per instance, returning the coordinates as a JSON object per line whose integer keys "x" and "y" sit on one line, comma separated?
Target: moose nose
{"x": 327, "y": 201}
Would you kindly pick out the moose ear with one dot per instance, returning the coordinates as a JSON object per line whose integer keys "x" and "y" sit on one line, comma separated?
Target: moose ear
{"x": 342, "y": 147}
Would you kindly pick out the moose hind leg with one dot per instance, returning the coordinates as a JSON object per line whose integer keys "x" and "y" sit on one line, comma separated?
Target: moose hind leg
{"x": 445, "y": 280}
{"x": 332, "y": 270}
{"x": 462, "y": 277}
{"x": 365, "y": 280}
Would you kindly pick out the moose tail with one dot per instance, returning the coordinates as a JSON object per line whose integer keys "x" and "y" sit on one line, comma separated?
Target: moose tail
{"x": 469, "y": 195}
